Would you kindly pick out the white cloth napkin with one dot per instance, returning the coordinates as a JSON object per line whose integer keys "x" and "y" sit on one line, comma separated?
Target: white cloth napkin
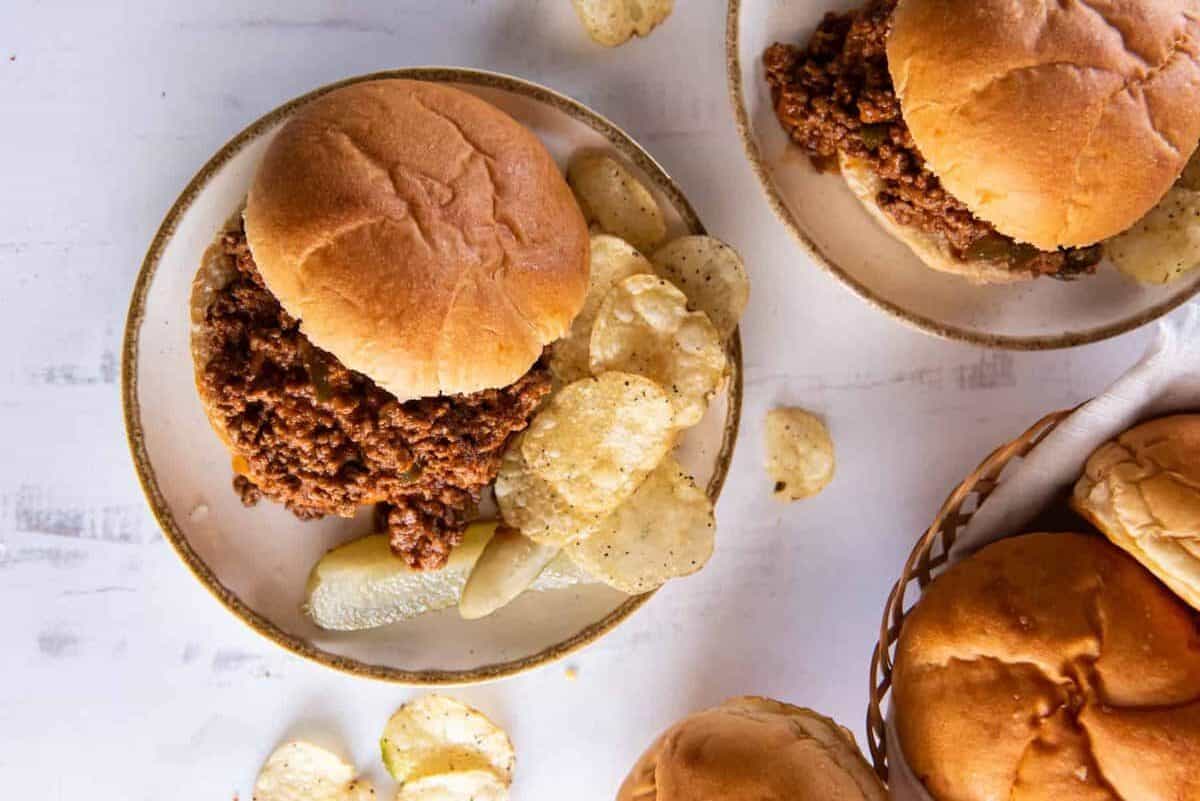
{"x": 1165, "y": 380}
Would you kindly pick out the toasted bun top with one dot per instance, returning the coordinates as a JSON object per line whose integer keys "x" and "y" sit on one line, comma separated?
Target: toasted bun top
{"x": 1050, "y": 666}
{"x": 1060, "y": 123}
{"x": 753, "y": 749}
{"x": 1143, "y": 492}
{"x": 421, "y": 235}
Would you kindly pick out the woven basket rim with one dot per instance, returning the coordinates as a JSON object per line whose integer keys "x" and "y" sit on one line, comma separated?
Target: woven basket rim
{"x": 923, "y": 562}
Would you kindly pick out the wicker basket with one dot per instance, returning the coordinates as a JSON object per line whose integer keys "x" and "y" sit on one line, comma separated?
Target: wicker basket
{"x": 927, "y": 559}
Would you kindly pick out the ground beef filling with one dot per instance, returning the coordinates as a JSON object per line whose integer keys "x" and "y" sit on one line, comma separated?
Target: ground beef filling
{"x": 325, "y": 440}
{"x": 836, "y": 94}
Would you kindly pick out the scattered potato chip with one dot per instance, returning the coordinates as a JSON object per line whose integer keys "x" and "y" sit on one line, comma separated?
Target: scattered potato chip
{"x": 613, "y": 259}
{"x": 644, "y": 327}
{"x": 463, "y": 785}
{"x": 435, "y": 735}
{"x": 664, "y": 531}
{"x": 610, "y": 195}
{"x": 529, "y": 504}
{"x": 614, "y": 22}
{"x": 598, "y": 438}
{"x": 799, "y": 453}
{"x": 509, "y": 564}
{"x": 712, "y": 276}
{"x": 300, "y": 771}
{"x": 1164, "y": 244}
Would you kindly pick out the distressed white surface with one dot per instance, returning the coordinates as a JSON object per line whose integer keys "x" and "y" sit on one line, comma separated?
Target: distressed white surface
{"x": 122, "y": 679}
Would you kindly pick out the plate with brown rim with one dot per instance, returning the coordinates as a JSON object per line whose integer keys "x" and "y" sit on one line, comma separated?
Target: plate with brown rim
{"x": 256, "y": 561}
{"x": 840, "y": 236}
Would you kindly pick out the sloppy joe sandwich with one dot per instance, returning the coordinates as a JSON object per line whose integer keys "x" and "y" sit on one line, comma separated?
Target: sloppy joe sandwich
{"x": 1049, "y": 666}
{"x": 371, "y": 329}
{"x": 1142, "y": 490}
{"x": 412, "y": 313}
{"x": 1004, "y": 140}
{"x": 753, "y": 749}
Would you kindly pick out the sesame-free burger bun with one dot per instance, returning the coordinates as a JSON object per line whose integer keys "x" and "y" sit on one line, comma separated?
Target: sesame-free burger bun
{"x": 421, "y": 235}
{"x": 1049, "y": 667}
{"x": 1061, "y": 124}
{"x": 753, "y": 749}
{"x": 1142, "y": 490}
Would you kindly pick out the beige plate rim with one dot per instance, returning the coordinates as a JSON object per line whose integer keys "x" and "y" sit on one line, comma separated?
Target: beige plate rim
{"x": 626, "y": 146}
{"x": 1070, "y": 339}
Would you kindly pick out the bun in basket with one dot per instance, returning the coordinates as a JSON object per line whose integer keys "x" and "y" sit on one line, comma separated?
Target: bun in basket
{"x": 753, "y": 749}
{"x": 1050, "y": 666}
{"x": 1143, "y": 492}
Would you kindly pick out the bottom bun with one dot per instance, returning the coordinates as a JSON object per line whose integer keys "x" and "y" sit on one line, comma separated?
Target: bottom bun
{"x": 216, "y": 271}
{"x": 932, "y": 249}
{"x": 753, "y": 749}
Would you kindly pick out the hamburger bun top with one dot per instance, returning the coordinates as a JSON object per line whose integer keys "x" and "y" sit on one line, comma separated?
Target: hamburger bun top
{"x": 1050, "y": 666}
{"x": 422, "y": 236}
{"x": 1143, "y": 492}
{"x": 753, "y": 749}
{"x": 1061, "y": 124}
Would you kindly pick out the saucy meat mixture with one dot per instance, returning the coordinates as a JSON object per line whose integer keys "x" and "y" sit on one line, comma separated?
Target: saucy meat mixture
{"x": 324, "y": 440}
{"x": 836, "y": 94}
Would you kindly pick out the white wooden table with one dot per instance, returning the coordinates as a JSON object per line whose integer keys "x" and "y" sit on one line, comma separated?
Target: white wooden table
{"x": 120, "y": 678}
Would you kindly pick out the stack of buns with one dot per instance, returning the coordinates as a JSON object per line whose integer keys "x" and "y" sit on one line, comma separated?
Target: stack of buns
{"x": 753, "y": 749}
{"x": 1055, "y": 666}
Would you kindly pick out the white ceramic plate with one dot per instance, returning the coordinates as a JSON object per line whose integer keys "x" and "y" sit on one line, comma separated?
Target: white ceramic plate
{"x": 839, "y": 234}
{"x": 256, "y": 561}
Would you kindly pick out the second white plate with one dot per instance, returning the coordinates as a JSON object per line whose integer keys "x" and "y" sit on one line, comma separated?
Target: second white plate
{"x": 839, "y": 235}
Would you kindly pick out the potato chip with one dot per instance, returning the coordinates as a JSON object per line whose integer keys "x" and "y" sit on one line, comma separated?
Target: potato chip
{"x": 614, "y": 22}
{"x": 300, "y": 771}
{"x": 613, "y": 259}
{"x": 644, "y": 327}
{"x": 664, "y": 531}
{"x": 596, "y": 440}
{"x": 609, "y": 195}
{"x": 1163, "y": 245}
{"x": 531, "y": 505}
{"x": 360, "y": 790}
{"x": 463, "y": 785}
{"x": 436, "y": 734}
{"x": 799, "y": 453}
{"x": 509, "y": 564}
{"x": 712, "y": 276}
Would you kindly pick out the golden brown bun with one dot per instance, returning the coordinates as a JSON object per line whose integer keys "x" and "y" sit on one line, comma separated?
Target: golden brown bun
{"x": 1036, "y": 668}
{"x": 753, "y": 749}
{"x": 421, "y": 235}
{"x": 932, "y": 249}
{"x": 1060, "y": 123}
{"x": 1143, "y": 492}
